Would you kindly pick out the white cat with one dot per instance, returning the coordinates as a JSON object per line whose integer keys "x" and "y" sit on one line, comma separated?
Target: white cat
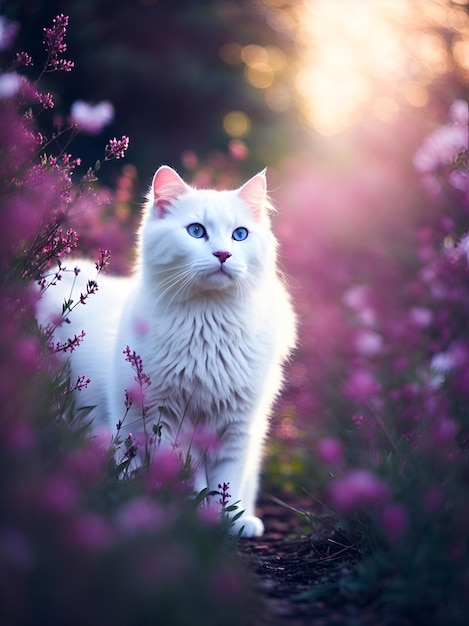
{"x": 211, "y": 320}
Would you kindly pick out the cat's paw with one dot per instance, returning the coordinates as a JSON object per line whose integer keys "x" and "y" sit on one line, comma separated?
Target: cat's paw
{"x": 251, "y": 526}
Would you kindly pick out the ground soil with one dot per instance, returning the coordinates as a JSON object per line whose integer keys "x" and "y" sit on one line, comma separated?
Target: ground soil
{"x": 292, "y": 558}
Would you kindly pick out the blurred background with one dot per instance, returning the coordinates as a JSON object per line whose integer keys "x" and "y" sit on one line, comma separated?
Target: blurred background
{"x": 260, "y": 82}
{"x": 335, "y": 97}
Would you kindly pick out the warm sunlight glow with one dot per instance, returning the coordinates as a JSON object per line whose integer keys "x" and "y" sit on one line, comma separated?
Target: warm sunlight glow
{"x": 370, "y": 56}
{"x": 344, "y": 54}
{"x": 352, "y": 60}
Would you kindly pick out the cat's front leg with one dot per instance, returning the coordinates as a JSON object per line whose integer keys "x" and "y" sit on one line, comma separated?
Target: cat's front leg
{"x": 242, "y": 486}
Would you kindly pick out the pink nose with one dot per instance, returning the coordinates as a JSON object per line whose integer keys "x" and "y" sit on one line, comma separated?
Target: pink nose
{"x": 222, "y": 256}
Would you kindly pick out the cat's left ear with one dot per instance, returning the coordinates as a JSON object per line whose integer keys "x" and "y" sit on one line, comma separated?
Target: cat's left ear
{"x": 167, "y": 186}
{"x": 254, "y": 194}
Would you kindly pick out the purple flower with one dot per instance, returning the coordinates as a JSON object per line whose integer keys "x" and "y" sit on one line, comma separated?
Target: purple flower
{"x": 91, "y": 118}
{"x": 368, "y": 343}
{"x": 440, "y": 148}
{"x": 140, "y": 514}
{"x": 91, "y": 532}
{"x": 55, "y": 45}
{"x": 358, "y": 488}
{"x": 23, "y": 58}
{"x": 116, "y": 148}
{"x": 394, "y": 521}
{"x": 459, "y": 112}
{"x": 361, "y": 385}
{"x": 330, "y": 451}
{"x": 164, "y": 469}
{"x": 10, "y": 84}
{"x": 8, "y": 32}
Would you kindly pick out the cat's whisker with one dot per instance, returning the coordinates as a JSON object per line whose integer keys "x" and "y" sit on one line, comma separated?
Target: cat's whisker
{"x": 183, "y": 281}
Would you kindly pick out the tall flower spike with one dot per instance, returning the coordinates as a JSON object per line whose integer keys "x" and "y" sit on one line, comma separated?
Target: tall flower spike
{"x": 116, "y": 148}
{"x": 55, "y": 45}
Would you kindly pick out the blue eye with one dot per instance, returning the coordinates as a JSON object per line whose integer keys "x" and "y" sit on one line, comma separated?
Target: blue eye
{"x": 197, "y": 231}
{"x": 240, "y": 234}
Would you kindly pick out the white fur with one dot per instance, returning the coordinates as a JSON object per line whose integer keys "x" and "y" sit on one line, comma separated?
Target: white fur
{"x": 212, "y": 336}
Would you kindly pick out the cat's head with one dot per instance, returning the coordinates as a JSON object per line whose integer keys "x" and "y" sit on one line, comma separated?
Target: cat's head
{"x": 196, "y": 241}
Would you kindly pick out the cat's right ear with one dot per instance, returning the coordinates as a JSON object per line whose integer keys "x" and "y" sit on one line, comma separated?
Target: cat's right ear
{"x": 167, "y": 186}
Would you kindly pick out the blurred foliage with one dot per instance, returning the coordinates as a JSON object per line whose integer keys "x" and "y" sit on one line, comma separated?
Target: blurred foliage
{"x": 159, "y": 63}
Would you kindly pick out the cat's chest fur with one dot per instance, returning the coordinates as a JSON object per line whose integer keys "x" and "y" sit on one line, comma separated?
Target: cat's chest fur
{"x": 205, "y": 359}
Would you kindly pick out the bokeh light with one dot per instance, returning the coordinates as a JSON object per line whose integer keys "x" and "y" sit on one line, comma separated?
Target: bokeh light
{"x": 369, "y": 59}
{"x": 236, "y": 124}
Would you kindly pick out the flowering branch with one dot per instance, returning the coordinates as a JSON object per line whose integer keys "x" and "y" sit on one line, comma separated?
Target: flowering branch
{"x": 55, "y": 45}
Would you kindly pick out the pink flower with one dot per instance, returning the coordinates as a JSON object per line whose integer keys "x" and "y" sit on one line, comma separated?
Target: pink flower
{"x": 60, "y": 495}
{"x": 440, "y": 148}
{"x": 91, "y": 118}
{"x": 238, "y": 149}
{"x": 116, "y": 148}
{"x": 357, "y": 489}
{"x": 330, "y": 451}
{"x": 358, "y": 421}
{"x": 56, "y": 46}
{"x": 10, "y": 84}
{"x": 209, "y": 513}
{"x": 459, "y": 112}
{"x": 8, "y": 32}
{"x": 394, "y": 521}
{"x": 91, "y": 532}
{"x": 136, "y": 394}
{"x": 87, "y": 462}
{"x": 164, "y": 469}
{"x": 356, "y": 297}
{"x": 421, "y": 316}
{"x": 139, "y": 514}
{"x": 361, "y": 385}
{"x": 368, "y": 343}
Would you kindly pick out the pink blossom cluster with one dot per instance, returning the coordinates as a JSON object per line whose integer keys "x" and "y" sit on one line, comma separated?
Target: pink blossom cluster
{"x": 116, "y": 148}
{"x": 55, "y": 45}
{"x": 437, "y": 157}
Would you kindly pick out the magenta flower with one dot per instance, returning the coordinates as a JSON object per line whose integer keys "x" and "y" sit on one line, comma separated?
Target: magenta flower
{"x": 10, "y": 84}
{"x": 368, "y": 343}
{"x": 60, "y": 495}
{"x": 361, "y": 385}
{"x": 56, "y": 46}
{"x": 91, "y": 532}
{"x": 140, "y": 514}
{"x": 164, "y": 468}
{"x": 441, "y": 148}
{"x": 23, "y": 58}
{"x": 357, "y": 489}
{"x": 91, "y": 118}
{"x": 209, "y": 513}
{"x": 8, "y": 32}
{"x": 116, "y": 148}
{"x": 394, "y": 521}
{"x": 330, "y": 451}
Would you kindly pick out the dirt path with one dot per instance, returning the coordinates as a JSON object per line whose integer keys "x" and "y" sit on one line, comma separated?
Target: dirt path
{"x": 288, "y": 562}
